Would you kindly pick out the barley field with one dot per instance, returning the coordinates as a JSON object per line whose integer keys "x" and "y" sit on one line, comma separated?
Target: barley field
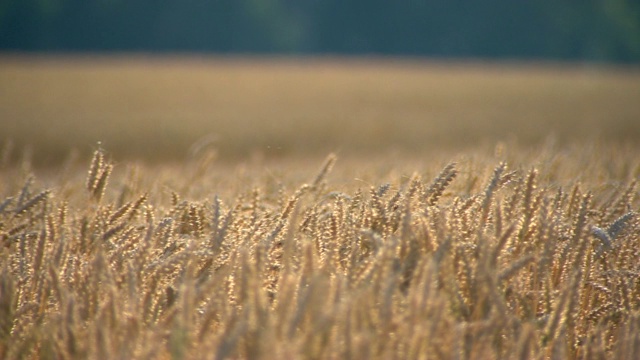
{"x": 318, "y": 209}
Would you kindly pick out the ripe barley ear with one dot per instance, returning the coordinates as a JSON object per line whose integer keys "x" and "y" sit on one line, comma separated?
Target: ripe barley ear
{"x": 488, "y": 193}
{"x": 32, "y": 202}
{"x": 326, "y": 169}
{"x": 446, "y": 176}
{"x": 98, "y": 175}
{"x": 97, "y": 162}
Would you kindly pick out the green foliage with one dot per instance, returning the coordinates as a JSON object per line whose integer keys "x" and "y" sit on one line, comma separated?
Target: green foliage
{"x": 606, "y": 31}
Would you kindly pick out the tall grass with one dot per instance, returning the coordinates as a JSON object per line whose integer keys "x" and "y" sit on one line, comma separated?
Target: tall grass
{"x": 493, "y": 256}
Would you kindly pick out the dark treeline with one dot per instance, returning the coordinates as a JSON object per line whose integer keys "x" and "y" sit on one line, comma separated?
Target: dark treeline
{"x": 584, "y": 30}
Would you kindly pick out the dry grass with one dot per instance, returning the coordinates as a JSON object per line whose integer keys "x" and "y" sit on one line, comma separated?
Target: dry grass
{"x": 503, "y": 254}
{"x": 444, "y": 248}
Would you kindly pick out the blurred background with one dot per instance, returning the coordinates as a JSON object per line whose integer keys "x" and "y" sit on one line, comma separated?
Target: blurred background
{"x": 587, "y": 30}
{"x": 156, "y": 79}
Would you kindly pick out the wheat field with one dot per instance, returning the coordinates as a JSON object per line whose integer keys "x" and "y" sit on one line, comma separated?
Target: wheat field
{"x": 156, "y": 109}
{"x": 512, "y": 246}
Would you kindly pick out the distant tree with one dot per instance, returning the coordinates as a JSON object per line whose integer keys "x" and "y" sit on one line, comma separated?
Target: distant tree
{"x": 593, "y": 30}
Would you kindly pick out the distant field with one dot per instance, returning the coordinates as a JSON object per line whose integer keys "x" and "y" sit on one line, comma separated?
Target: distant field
{"x": 158, "y": 108}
